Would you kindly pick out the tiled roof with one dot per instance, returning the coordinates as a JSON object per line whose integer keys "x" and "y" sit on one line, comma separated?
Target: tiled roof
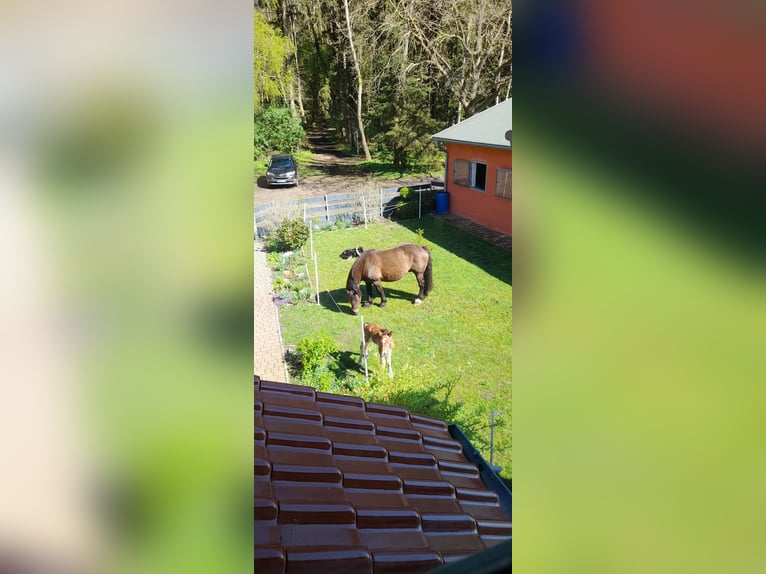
{"x": 346, "y": 485}
{"x": 490, "y": 128}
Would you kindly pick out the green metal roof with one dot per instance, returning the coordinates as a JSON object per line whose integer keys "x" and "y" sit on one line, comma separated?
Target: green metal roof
{"x": 487, "y": 128}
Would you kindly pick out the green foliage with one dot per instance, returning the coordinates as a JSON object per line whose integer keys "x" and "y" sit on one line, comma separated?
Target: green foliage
{"x": 291, "y": 235}
{"x": 277, "y": 130}
{"x": 405, "y": 125}
{"x": 316, "y": 351}
{"x": 271, "y": 51}
{"x": 407, "y": 204}
{"x": 316, "y": 363}
{"x": 291, "y": 283}
{"x": 337, "y": 224}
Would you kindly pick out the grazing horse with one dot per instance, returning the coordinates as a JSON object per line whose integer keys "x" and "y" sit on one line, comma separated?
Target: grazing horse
{"x": 355, "y": 252}
{"x": 375, "y": 266}
{"x": 384, "y": 339}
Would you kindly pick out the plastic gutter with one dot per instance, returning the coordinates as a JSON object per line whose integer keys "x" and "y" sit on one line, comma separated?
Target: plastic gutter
{"x": 495, "y": 560}
{"x": 488, "y": 476}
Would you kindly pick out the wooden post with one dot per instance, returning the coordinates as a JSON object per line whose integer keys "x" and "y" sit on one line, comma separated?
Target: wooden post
{"x": 326, "y": 211}
{"x": 311, "y": 241}
{"x": 381, "y": 203}
{"x": 316, "y": 278}
{"x": 420, "y": 201}
{"x": 364, "y": 353}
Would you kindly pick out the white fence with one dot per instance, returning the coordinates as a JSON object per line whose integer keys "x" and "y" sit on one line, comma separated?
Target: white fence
{"x": 355, "y": 207}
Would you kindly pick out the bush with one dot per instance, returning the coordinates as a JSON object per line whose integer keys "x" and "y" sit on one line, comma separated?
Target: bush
{"x": 407, "y": 205}
{"x": 291, "y": 235}
{"x": 316, "y": 352}
{"x": 276, "y": 129}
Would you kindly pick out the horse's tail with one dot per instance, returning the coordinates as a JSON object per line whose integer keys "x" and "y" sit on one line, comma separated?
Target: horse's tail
{"x": 429, "y": 272}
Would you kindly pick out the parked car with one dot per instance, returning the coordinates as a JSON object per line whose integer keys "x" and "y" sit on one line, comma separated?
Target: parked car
{"x": 282, "y": 170}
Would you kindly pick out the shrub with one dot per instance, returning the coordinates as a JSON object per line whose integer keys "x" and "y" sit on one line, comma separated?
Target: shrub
{"x": 337, "y": 225}
{"x": 316, "y": 352}
{"x": 291, "y": 235}
{"x": 276, "y": 129}
{"x": 407, "y": 205}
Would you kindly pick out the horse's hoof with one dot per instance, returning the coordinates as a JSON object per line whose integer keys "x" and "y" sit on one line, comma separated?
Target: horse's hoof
{"x": 382, "y": 303}
{"x": 417, "y": 301}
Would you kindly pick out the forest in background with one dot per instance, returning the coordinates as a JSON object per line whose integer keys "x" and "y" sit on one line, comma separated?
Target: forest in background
{"x": 383, "y": 75}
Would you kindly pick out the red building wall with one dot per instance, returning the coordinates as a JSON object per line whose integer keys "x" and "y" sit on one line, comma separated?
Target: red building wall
{"x": 482, "y": 207}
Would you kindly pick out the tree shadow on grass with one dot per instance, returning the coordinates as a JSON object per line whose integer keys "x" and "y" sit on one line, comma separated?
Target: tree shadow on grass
{"x": 490, "y": 258}
{"x": 433, "y": 401}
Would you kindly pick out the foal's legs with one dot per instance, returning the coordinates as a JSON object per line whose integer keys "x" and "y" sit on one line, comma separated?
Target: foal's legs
{"x": 385, "y": 357}
{"x": 362, "y": 352}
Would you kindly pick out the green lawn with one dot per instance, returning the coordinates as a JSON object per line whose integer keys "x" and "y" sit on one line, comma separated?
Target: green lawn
{"x": 453, "y": 353}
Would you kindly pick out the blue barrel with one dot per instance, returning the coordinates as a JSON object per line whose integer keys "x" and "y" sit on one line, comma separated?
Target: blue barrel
{"x": 442, "y": 202}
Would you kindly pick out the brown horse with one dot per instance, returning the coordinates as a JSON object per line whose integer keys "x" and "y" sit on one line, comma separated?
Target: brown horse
{"x": 375, "y": 266}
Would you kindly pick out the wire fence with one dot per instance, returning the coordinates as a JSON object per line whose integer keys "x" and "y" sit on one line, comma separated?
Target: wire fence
{"x": 357, "y": 207}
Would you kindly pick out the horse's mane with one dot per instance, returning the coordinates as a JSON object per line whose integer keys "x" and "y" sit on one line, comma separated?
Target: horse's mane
{"x": 351, "y": 283}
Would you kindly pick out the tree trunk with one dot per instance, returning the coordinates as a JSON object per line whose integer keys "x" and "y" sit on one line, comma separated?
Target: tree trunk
{"x": 299, "y": 87}
{"x": 359, "y": 88}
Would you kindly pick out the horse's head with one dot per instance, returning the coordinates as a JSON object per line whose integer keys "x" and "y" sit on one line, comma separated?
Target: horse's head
{"x": 354, "y": 292}
{"x": 387, "y": 339}
{"x": 354, "y": 299}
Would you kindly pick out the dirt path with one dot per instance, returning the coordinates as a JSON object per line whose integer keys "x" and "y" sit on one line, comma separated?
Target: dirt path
{"x": 337, "y": 174}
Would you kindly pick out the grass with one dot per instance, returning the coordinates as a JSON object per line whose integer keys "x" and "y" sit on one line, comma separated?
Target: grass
{"x": 453, "y": 353}
{"x": 384, "y": 170}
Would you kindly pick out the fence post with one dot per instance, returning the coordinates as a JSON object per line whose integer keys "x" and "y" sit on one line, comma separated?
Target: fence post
{"x": 364, "y": 352}
{"x": 316, "y": 278}
{"x": 326, "y": 211}
{"x": 381, "y": 203}
{"x": 420, "y": 201}
{"x": 311, "y": 241}
{"x": 364, "y": 207}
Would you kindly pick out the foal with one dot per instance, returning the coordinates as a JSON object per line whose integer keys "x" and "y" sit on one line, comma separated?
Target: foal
{"x": 384, "y": 339}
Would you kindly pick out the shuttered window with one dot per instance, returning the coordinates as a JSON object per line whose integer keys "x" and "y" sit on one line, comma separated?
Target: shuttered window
{"x": 462, "y": 170}
{"x": 470, "y": 174}
{"x": 504, "y": 183}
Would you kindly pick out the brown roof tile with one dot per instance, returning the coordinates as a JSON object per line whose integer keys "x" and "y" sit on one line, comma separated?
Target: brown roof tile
{"x": 346, "y": 485}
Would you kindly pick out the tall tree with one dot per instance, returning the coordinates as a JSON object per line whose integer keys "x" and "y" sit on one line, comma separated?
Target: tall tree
{"x": 271, "y": 51}
{"x": 466, "y": 43}
{"x": 359, "y": 82}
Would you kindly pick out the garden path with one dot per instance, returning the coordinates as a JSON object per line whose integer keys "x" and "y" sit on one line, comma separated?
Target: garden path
{"x": 268, "y": 357}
